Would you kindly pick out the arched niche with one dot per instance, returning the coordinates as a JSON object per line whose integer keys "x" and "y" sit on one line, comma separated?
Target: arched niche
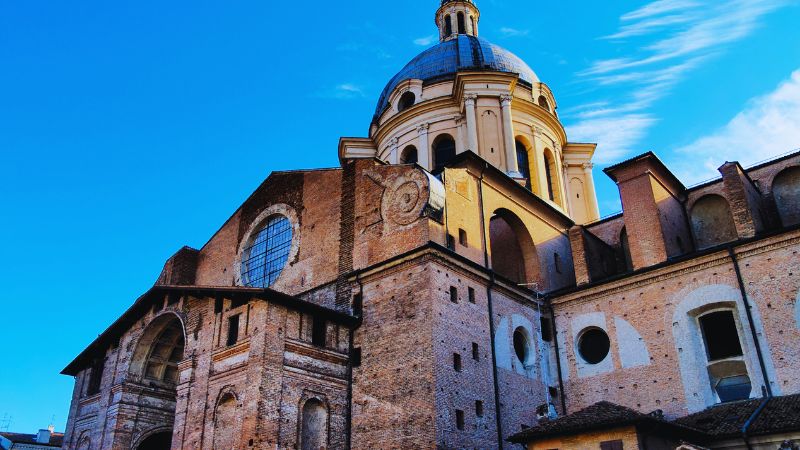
{"x": 513, "y": 252}
{"x": 226, "y": 421}
{"x": 406, "y": 101}
{"x": 313, "y": 425}
{"x": 544, "y": 103}
{"x": 712, "y": 221}
{"x": 786, "y": 190}
{"x": 444, "y": 152}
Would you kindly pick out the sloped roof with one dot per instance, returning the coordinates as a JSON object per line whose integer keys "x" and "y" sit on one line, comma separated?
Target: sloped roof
{"x": 56, "y": 439}
{"x": 779, "y": 415}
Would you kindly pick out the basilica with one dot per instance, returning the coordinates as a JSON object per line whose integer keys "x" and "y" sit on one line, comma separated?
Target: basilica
{"x": 451, "y": 286}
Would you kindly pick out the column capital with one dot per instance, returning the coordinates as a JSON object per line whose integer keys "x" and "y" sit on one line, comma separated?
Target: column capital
{"x": 470, "y": 99}
{"x": 394, "y": 141}
{"x": 588, "y": 166}
{"x": 423, "y": 128}
{"x": 505, "y": 100}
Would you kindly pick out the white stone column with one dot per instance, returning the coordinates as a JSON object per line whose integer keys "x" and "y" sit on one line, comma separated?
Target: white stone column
{"x": 591, "y": 202}
{"x": 394, "y": 154}
{"x": 508, "y": 137}
{"x": 472, "y": 122}
{"x": 541, "y": 175}
{"x": 424, "y": 152}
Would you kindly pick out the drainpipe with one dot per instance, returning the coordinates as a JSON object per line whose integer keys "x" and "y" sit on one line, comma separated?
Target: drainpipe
{"x": 350, "y": 349}
{"x": 752, "y": 419}
{"x": 558, "y": 356}
{"x": 747, "y": 308}
{"x": 491, "y": 311}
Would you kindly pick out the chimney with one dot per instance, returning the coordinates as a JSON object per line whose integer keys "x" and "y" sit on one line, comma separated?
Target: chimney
{"x": 43, "y": 437}
{"x": 652, "y": 203}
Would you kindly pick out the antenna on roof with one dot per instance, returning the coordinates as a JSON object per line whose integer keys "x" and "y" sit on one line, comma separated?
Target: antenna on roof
{"x": 5, "y": 422}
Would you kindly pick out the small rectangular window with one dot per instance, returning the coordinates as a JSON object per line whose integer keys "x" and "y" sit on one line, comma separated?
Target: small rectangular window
{"x": 476, "y": 355}
{"x": 218, "y": 305}
{"x": 233, "y": 330}
{"x": 456, "y": 362}
{"x": 462, "y": 238}
{"x": 453, "y": 294}
{"x": 319, "y": 330}
{"x": 471, "y": 293}
{"x": 356, "y": 357}
{"x": 478, "y": 408}
{"x": 557, "y": 262}
{"x": 451, "y": 242}
{"x": 611, "y": 445}
{"x": 547, "y": 329}
{"x": 358, "y": 304}
{"x": 720, "y": 335}
{"x": 459, "y": 419}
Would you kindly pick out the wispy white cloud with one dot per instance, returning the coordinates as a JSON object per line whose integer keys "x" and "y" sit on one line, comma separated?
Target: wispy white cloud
{"x": 513, "y": 32}
{"x": 769, "y": 125}
{"x": 669, "y": 39}
{"x": 425, "y": 41}
{"x": 344, "y": 91}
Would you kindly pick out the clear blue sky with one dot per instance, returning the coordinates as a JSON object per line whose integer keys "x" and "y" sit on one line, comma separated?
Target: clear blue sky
{"x": 130, "y": 129}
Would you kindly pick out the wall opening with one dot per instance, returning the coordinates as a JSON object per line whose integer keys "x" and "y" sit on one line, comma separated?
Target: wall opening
{"x": 407, "y": 100}
{"x": 523, "y": 163}
{"x": 594, "y": 345}
{"x": 319, "y": 331}
{"x": 522, "y": 345}
{"x": 727, "y": 369}
{"x": 712, "y": 222}
{"x": 314, "y": 426}
{"x": 513, "y": 253}
{"x": 233, "y": 330}
{"x": 786, "y": 190}
{"x": 444, "y": 152}
{"x": 157, "y": 441}
{"x": 459, "y": 419}
{"x": 456, "y": 362}
{"x": 471, "y": 294}
{"x": 448, "y": 26}
{"x": 462, "y": 25}
{"x": 409, "y": 155}
{"x": 95, "y": 376}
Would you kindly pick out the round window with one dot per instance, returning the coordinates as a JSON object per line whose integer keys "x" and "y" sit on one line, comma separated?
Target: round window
{"x": 264, "y": 259}
{"x": 521, "y": 344}
{"x": 594, "y": 345}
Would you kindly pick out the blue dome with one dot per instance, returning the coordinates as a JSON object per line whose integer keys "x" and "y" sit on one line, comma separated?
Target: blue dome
{"x": 443, "y": 61}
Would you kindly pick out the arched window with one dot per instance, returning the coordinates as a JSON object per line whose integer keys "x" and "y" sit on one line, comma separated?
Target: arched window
{"x": 474, "y": 26}
{"x": 314, "y": 426}
{"x": 407, "y": 100}
{"x": 165, "y": 354}
{"x": 513, "y": 253}
{"x": 462, "y": 28}
{"x": 444, "y": 151}
{"x": 544, "y": 103}
{"x": 448, "y": 26}
{"x": 786, "y": 190}
{"x": 409, "y": 155}
{"x": 523, "y": 164}
{"x": 712, "y": 222}
{"x": 226, "y": 422}
{"x": 522, "y": 345}
{"x": 264, "y": 259}
{"x": 550, "y": 172}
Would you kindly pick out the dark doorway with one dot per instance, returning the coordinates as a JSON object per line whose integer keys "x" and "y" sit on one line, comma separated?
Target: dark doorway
{"x": 157, "y": 441}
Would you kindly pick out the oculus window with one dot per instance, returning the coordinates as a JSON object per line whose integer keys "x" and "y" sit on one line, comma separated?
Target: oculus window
{"x": 264, "y": 260}
{"x": 594, "y": 345}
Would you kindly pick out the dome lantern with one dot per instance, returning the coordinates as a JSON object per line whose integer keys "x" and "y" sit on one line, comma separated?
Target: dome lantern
{"x": 457, "y": 17}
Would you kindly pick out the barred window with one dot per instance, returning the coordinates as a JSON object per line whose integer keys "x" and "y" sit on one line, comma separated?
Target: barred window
{"x": 263, "y": 261}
